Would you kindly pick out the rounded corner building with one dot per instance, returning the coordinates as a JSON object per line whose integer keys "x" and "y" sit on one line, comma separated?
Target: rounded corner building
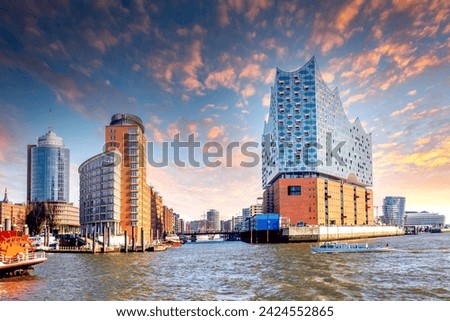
{"x": 316, "y": 164}
{"x": 114, "y": 192}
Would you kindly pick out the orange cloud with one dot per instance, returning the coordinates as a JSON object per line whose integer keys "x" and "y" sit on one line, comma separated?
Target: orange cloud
{"x": 331, "y": 31}
{"x": 326, "y": 40}
{"x": 355, "y": 98}
{"x": 425, "y": 113}
{"x": 397, "y": 134}
{"x": 409, "y": 106}
{"x": 192, "y": 126}
{"x": 347, "y": 14}
{"x": 192, "y": 83}
{"x": 248, "y": 91}
{"x": 385, "y": 84}
{"x": 270, "y": 76}
{"x": 255, "y": 6}
{"x": 422, "y": 141}
{"x": 272, "y": 43}
{"x": 251, "y": 8}
{"x": 446, "y": 29}
{"x": 328, "y": 77}
{"x": 259, "y": 56}
{"x": 195, "y": 59}
{"x": 208, "y": 121}
{"x": 5, "y": 141}
{"x": 101, "y": 39}
{"x": 420, "y": 64}
{"x": 266, "y": 100}
{"x": 436, "y": 157}
{"x": 215, "y": 132}
{"x": 225, "y": 78}
{"x": 251, "y": 71}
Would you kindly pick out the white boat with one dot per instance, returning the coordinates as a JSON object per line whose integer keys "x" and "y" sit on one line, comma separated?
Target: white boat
{"x": 330, "y": 247}
{"x": 173, "y": 240}
{"x": 38, "y": 242}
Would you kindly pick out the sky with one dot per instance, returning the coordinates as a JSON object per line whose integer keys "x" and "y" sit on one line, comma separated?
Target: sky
{"x": 206, "y": 68}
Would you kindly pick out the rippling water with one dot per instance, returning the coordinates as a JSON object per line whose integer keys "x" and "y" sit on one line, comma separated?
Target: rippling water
{"x": 418, "y": 269}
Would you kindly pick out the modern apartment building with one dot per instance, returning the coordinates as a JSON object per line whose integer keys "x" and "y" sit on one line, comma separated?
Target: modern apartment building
{"x": 100, "y": 193}
{"x": 317, "y": 165}
{"x": 125, "y": 136}
{"x": 394, "y": 210}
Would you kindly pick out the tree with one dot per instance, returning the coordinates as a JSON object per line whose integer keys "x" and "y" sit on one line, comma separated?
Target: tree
{"x": 39, "y": 215}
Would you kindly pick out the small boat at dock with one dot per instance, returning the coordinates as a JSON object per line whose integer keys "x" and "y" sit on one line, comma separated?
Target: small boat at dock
{"x": 173, "y": 240}
{"x": 330, "y": 247}
{"x": 157, "y": 247}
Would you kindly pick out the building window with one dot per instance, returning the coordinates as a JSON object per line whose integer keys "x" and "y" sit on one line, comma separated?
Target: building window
{"x": 294, "y": 190}
{"x": 132, "y": 131}
{"x": 132, "y": 137}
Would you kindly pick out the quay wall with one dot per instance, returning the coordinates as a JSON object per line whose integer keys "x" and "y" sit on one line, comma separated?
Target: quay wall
{"x": 336, "y": 233}
{"x": 320, "y": 233}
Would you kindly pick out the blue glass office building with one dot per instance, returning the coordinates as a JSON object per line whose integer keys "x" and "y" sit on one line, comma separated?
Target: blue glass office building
{"x": 394, "y": 210}
{"x": 49, "y": 169}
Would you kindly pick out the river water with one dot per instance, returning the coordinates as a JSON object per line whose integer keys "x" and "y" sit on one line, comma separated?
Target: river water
{"x": 417, "y": 269}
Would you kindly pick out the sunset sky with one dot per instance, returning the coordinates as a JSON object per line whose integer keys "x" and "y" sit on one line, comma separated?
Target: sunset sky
{"x": 206, "y": 67}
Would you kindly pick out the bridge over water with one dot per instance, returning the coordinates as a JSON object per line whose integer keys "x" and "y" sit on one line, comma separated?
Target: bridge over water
{"x": 226, "y": 235}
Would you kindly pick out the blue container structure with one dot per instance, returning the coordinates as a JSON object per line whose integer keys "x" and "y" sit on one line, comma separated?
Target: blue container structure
{"x": 264, "y": 222}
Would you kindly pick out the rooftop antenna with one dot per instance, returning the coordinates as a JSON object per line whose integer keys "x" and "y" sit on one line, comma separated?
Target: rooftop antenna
{"x": 50, "y": 119}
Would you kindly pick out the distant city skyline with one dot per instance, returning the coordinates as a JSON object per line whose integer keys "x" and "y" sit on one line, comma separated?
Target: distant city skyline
{"x": 207, "y": 69}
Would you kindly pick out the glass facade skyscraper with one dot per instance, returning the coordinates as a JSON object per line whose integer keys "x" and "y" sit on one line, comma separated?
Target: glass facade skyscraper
{"x": 213, "y": 220}
{"x": 394, "y": 210}
{"x": 306, "y": 122}
{"x": 49, "y": 163}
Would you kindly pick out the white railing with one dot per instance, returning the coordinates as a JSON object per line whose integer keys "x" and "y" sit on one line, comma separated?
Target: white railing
{"x": 22, "y": 257}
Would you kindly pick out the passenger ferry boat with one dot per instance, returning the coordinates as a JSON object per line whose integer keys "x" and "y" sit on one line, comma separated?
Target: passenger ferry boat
{"x": 173, "y": 240}
{"x": 17, "y": 255}
{"x": 330, "y": 247}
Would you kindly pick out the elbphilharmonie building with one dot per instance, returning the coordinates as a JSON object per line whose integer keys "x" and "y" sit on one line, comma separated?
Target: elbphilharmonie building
{"x": 317, "y": 165}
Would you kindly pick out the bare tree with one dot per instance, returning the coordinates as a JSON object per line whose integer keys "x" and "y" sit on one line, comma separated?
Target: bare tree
{"x": 39, "y": 215}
